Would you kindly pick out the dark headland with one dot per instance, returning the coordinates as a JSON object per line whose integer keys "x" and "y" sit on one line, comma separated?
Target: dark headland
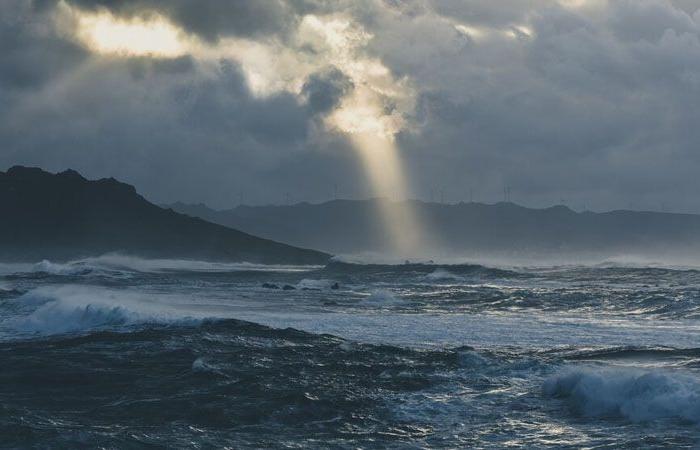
{"x": 64, "y": 216}
{"x": 473, "y": 229}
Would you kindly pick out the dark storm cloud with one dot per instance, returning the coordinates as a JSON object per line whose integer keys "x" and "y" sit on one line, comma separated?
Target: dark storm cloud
{"x": 324, "y": 90}
{"x": 636, "y": 21}
{"x": 31, "y": 51}
{"x": 209, "y": 19}
{"x": 223, "y": 103}
{"x": 585, "y": 110}
{"x": 175, "y": 133}
{"x": 141, "y": 67}
{"x": 172, "y": 137}
{"x": 596, "y": 104}
{"x": 499, "y": 13}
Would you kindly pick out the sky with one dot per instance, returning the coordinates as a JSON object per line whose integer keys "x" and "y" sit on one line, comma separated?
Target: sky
{"x": 590, "y": 103}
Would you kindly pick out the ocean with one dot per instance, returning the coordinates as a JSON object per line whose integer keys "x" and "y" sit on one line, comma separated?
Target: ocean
{"x": 121, "y": 352}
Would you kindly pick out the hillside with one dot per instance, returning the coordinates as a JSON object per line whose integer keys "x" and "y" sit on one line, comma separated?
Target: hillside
{"x": 471, "y": 229}
{"x": 65, "y": 216}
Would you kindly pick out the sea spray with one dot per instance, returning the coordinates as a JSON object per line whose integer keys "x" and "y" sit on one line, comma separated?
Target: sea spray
{"x": 633, "y": 394}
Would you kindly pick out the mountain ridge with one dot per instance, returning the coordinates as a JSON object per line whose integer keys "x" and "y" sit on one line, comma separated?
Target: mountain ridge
{"x": 66, "y": 216}
{"x": 466, "y": 229}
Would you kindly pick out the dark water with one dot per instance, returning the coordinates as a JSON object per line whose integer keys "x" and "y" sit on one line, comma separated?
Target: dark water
{"x": 118, "y": 352}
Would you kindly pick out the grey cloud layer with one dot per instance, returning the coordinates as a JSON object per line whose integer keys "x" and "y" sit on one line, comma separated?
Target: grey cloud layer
{"x": 596, "y": 106}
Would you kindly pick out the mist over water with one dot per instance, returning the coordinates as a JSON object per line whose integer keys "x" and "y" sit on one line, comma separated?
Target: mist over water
{"x": 122, "y": 351}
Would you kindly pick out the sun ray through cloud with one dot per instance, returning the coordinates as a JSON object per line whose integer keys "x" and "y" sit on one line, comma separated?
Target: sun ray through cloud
{"x": 149, "y": 35}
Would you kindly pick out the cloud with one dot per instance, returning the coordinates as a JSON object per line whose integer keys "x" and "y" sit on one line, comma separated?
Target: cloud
{"x": 593, "y": 102}
{"x": 323, "y": 91}
{"x": 209, "y": 19}
{"x": 32, "y": 54}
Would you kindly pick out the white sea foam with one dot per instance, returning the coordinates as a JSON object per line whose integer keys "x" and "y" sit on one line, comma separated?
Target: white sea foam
{"x": 118, "y": 265}
{"x": 157, "y": 265}
{"x": 366, "y": 258}
{"x": 443, "y": 275}
{"x": 202, "y": 365}
{"x": 133, "y": 263}
{"x": 383, "y": 258}
{"x": 308, "y": 283}
{"x": 632, "y": 394}
{"x": 74, "y": 268}
{"x": 76, "y": 308}
{"x": 382, "y": 297}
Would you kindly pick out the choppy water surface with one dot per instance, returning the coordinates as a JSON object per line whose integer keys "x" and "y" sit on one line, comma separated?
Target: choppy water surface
{"x": 118, "y": 352}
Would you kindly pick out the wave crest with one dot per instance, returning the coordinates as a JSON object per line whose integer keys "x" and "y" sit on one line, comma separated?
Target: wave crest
{"x": 67, "y": 269}
{"x": 443, "y": 275}
{"x": 632, "y": 394}
{"x": 68, "y": 309}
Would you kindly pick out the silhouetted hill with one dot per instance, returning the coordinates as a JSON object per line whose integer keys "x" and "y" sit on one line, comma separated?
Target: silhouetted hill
{"x": 471, "y": 229}
{"x": 64, "y": 216}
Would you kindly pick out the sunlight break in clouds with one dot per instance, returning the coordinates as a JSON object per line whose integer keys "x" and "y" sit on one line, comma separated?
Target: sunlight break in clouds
{"x": 378, "y": 102}
{"x": 104, "y": 33}
{"x": 370, "y": 114}
{"x": 483, "y": 33}
{"x": 364, "y": 109}
{"x": 367, "y": 117}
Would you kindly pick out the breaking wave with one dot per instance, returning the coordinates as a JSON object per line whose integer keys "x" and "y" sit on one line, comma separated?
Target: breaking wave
{"x": 124, "y": 262}
{"x": 383, "y": 297}
{"x": 76, "y": 268}
{"x": 443, "y": 275}
{"x": 123, "y": 265}
{"x": 68, "y": 309}
{"x": 632, "y": 394}
{"x": 387, "y": 271}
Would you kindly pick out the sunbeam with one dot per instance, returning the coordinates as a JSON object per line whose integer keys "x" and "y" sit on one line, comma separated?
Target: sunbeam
{"x": 382, "y": 163}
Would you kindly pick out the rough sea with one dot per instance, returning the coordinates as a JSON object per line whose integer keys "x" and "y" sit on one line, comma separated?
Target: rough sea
{"x": 119, "y": 352}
